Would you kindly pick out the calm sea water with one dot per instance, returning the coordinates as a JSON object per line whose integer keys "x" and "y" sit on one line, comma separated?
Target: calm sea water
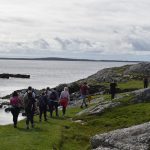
{"x": 47, "y": 73}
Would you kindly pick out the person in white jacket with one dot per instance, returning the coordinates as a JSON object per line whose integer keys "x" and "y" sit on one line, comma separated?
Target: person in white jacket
{"x": 64, "y": 99}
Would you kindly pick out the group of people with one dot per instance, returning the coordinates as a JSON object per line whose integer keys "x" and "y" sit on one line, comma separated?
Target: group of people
{"x": 48, "y": 100}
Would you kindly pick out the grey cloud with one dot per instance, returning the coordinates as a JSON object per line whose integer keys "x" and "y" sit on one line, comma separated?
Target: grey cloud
{"x": 38, "y": 46}
{"x": 140, "y": 44}
{"x": 80, "y": 45}
{"x": 20, "y": 20}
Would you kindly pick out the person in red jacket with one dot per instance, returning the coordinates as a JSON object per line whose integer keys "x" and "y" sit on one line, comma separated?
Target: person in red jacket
{"x": 15, "y": 103}
{"x": 84, "y": 90}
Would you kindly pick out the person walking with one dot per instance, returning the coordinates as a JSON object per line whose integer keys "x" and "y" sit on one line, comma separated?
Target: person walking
{"x": 43, "y": 106}
{"x": 64, "y": 99}
{"x": 145, "y": 81}
{"x": 84, "y": 90}
{"x": 113, "y": 86}
{"x": 53, "y": 102}
{"x": 48, "y": 92}
{"x": 15, "y": 103}
{"x": 29, "y": 105}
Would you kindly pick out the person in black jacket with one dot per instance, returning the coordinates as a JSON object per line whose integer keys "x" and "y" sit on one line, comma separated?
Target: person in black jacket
{"x": 145, "y": 82}
{"x": 113, "y": 86}
{"x": 43, "y": 106}
{"x": 29, "y": 105}
{"x": 53, "y": 102}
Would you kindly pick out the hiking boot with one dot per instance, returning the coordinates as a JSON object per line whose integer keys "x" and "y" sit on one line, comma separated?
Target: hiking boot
{"x": 32, "y": 125}
{"x": 81, "y": 106}
{"x": 15, "y": 126}
{"x": 27, "y": 128}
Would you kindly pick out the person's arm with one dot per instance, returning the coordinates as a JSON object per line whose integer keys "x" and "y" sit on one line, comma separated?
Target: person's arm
{"x": 25, "y": 99}
{"x": 33, "y": 95}
{"x": 11, "y": 101}
{"x": 60, "y": 96}
{"x": 68, "y": 97}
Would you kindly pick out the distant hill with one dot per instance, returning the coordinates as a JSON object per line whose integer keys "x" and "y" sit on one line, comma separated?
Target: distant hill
{"x": 65, "y": 59}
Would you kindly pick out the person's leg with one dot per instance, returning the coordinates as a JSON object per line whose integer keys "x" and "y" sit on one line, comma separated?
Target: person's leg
{"x": 40, "y": 115}
{"x": 112, "y": 95}
{"x": 32, "y": 118}
{"x": 28, "y": 118}
{"x": 51, "y": 109}
{"x": 84, "y": 101}
{"x": 64, "y": 110}
{"x": 56, "y": 108}
{"x": 13, "y": 114}
{"x": 16, "y": 116}
{"x": 45, "y": 113}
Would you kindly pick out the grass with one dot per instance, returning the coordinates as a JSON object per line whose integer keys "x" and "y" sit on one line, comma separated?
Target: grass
{"x": 131, "y": 84}
{"x": 64, "y": 134}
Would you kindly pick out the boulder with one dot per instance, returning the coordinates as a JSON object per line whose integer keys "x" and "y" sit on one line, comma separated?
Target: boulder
{"x": 142, "y": 95}
{"x": 133, "y": 138}
{"x": 99, "y": 108}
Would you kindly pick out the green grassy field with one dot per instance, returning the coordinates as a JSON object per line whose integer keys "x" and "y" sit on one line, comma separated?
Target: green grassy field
{"x": 64, "y": 134}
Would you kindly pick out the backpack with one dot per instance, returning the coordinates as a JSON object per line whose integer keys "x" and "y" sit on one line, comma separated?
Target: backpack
{"x": 53, "y": 95}
{"x": 30, "y": 101}
{"x": 42, "y": 101}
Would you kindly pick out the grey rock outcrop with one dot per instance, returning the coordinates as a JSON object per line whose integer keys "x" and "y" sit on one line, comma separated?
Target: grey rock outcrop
{"x": 99, "y": 108}
{"x": 141, "y": 68}
{"x": 105, "y": 75}
{"x": 142, "y": 95}
{"x": 135, "y": 71}
{"x": 133, "y": 138}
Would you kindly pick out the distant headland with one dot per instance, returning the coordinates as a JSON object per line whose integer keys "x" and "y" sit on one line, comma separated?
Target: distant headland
{"x": 66, "y": 59}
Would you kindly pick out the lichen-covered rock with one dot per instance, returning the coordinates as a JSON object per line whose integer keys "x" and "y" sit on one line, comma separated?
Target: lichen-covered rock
{"x": 105, "y": 75}
{"x": 133, "y": 138}
{"x": 99, "y": 108}
{"x": 140, "y": 68}
{"x": 142, "y": 95}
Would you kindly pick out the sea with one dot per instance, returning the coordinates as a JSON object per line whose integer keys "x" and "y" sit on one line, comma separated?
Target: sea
{"x": 44, "y": 74}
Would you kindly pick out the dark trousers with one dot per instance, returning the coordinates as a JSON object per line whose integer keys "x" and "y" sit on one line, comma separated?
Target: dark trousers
{"x": 15, "y": 112}
{"x": 43, "y": 110}
{"x": 145, "y": 85}
{"x": 51, "y": 108}
{"x": 112, "y": 95}
{"x": 30, "y": 115}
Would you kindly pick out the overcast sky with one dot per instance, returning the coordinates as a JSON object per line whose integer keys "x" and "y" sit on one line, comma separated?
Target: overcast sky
{"x": 96, "y": 29}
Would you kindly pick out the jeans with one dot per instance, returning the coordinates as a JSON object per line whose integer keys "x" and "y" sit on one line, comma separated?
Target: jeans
{"x": 84, "y": 101}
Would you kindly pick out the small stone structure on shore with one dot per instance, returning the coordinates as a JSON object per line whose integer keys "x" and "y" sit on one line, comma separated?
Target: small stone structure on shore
{"x": 7, "y": 76}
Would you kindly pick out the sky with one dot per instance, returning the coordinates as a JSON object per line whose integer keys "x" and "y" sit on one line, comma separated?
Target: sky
{"x": 93, "y": 29}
